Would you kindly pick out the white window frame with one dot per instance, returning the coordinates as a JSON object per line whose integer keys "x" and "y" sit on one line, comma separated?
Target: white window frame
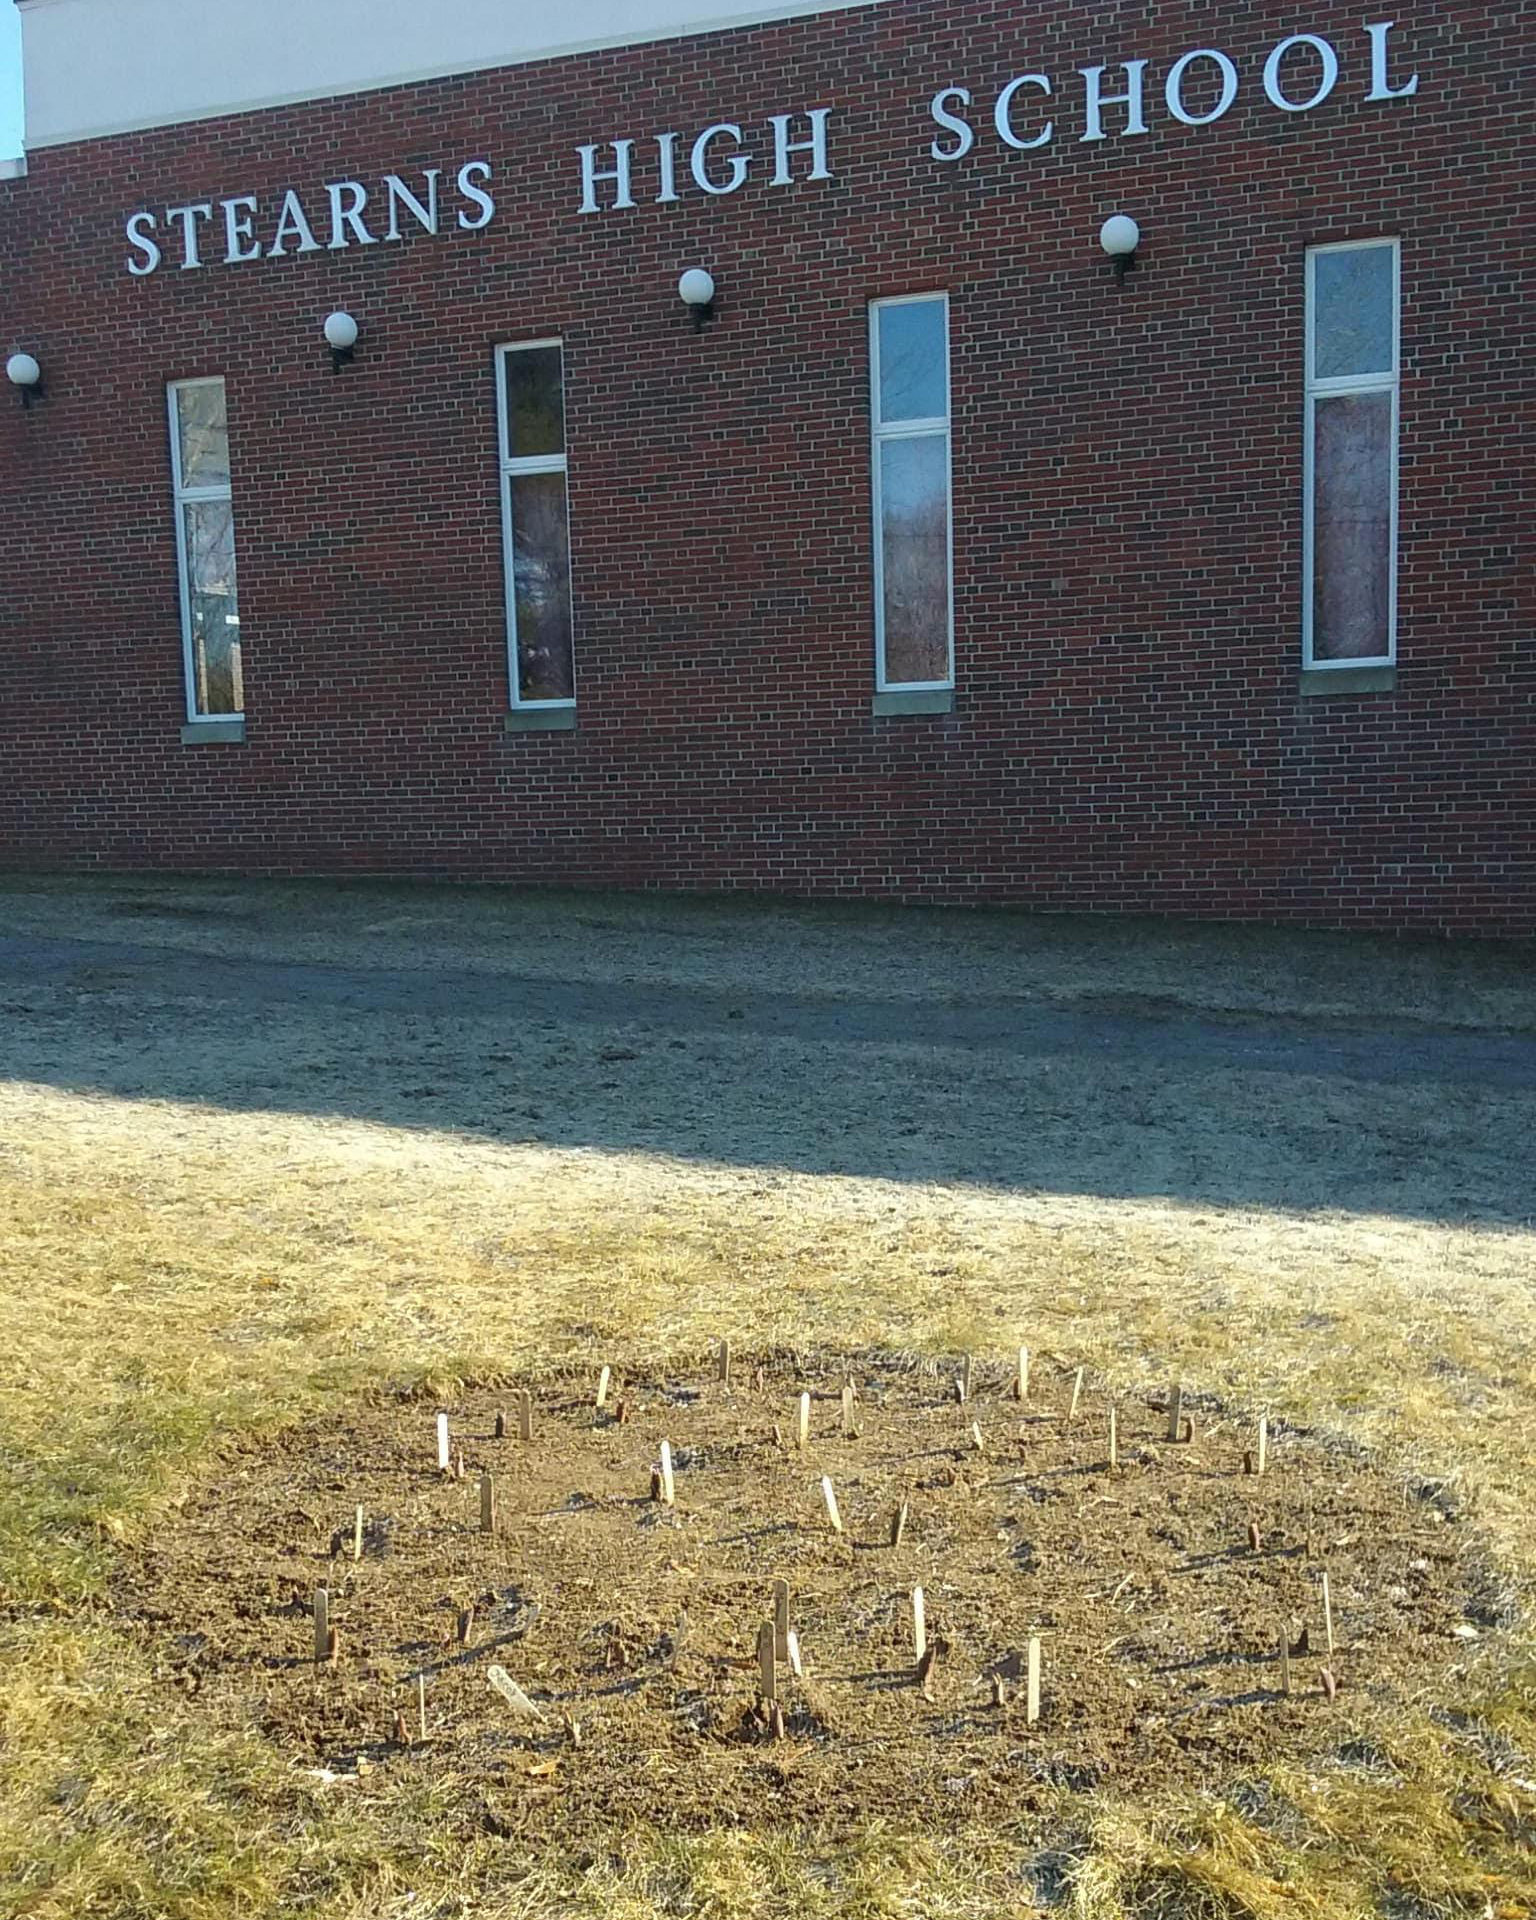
{"x": 881, "y": 432}
{"x": 182, "y": 497}
{"x": 510, "y": 470}
{"x": 1316, "y": 389}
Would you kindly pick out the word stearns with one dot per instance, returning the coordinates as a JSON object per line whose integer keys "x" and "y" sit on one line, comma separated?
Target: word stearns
{"x": 1029, "y": 113}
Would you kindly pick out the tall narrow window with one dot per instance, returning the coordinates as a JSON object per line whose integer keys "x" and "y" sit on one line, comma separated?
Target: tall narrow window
{"x": 205, "y": 550}
{"x": 535, "y": 524}
{"x": 1350, "y": 514}
{"x": 914, "y": 597}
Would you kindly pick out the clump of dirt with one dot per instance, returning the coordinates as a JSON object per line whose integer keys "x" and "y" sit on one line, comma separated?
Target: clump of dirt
{"x": 1160, "y": 1591}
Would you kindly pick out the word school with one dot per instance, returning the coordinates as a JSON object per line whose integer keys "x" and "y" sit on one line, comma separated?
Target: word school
{"x": 1298, "y": 74}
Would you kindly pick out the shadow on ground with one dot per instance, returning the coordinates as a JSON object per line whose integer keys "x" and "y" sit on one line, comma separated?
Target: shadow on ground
{"x": 1126, "y": 1098}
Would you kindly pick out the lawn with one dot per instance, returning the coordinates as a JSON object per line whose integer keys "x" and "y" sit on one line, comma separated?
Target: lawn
{"x": 279, "y": 1155}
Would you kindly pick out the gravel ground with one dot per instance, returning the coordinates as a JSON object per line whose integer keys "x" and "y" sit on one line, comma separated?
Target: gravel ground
{"x": 1025, "y": 1056}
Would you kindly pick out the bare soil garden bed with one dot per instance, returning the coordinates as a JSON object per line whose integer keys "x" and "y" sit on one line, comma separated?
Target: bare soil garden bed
{"x": 1159, "y": 1591}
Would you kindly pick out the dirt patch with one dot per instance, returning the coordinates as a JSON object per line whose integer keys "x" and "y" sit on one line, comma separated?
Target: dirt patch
{"x": 1159, "y": 1619}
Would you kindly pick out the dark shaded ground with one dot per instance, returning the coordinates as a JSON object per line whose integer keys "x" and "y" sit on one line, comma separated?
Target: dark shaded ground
{"x": 1395, "y": 1052}
{"x": 1006, "y": 1091}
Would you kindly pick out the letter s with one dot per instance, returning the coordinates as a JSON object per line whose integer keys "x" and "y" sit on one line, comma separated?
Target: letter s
{"x": 478, "y": 195}
{"x": 139, "y": 239}
{"x": 939, "y": 108}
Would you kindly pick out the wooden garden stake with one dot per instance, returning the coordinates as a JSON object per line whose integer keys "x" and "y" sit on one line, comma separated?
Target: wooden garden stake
{"x": 828, "y": 1493}
{"x": 656, "y": 1488}
{"x": 1077, "y": 1393}
{"x": 1263, "y": 1452}
{"x": 402, "y": 1730}
{"x": 1032, "y": 1705}
{"x": 919, "y": 1623}
{"x": 1255, "y": 1538}
{"x": 668, "y": 1487}
{"x": 767, "y": 1663}
{"x": 444, "y": 1461}
{"x": 487, "y": 1503}
{"x": 421, "y": 1703}
{"x": 525, "y": 1415}
{"x": 1021, "y": 1384}
{"x": 781, "y": 1619}
{"x": 805, "y": 1421}
{"x": 333, "y": 1646}
{"x": 501, "y": 1423}
{"x": 603, "y": 1381}
{"x": 322, "y": 1623}
{"x": 357, "y": 1536}
{"x": 925, "y": 1668}
{"x": 458, "y": 1463}
{"x": 512, "y": 1693}
{"x": 966, "y": 1371}
{"x": 898, "y": 1524}
{"x": 1328, "y": 1612}
{"x": 977, "y": 1441}
{"x": 796, "y": 1666}
{"x": 1114, "y": 1439}
{"x": 1176, "y": 1412}
{"x": 1285, "y": 1658}
{"x": 466, "y": 1625}
{"x": 724, "y": 1362}
{"x": 848, "y": 1433}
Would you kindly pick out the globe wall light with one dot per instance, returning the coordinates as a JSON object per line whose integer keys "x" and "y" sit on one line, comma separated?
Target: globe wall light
{"x": 341, "y": 338}
{"x": 1120, "y": 237}
{"x": 26, "y": 376}
{"x": 696, "y": 290}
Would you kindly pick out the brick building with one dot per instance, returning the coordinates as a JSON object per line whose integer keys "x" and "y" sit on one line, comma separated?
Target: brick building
{"x": 939, "y": 556}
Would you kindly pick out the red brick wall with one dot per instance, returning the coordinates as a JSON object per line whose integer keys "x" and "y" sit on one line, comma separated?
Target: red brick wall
{"x": 1129, "y": 732}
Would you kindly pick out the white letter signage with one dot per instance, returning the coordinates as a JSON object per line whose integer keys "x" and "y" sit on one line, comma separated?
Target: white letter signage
{"x": 1130, "y": 99}
{"x": 1173, "y": 91}
{"x": 1003, "y": 117}
{"x": 593, "y": 176}
{"x": 783, "y": 146}
{"x": 964, "y": 132}
{"x": 1379, "y": 88}
{"x": 1325, "y": 85}
{"x": 1298, "y": 75}
{"x": 739, "y": 163}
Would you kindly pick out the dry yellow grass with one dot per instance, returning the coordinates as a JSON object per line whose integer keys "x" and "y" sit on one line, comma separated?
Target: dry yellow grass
{"x": 173, "y": 1271}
